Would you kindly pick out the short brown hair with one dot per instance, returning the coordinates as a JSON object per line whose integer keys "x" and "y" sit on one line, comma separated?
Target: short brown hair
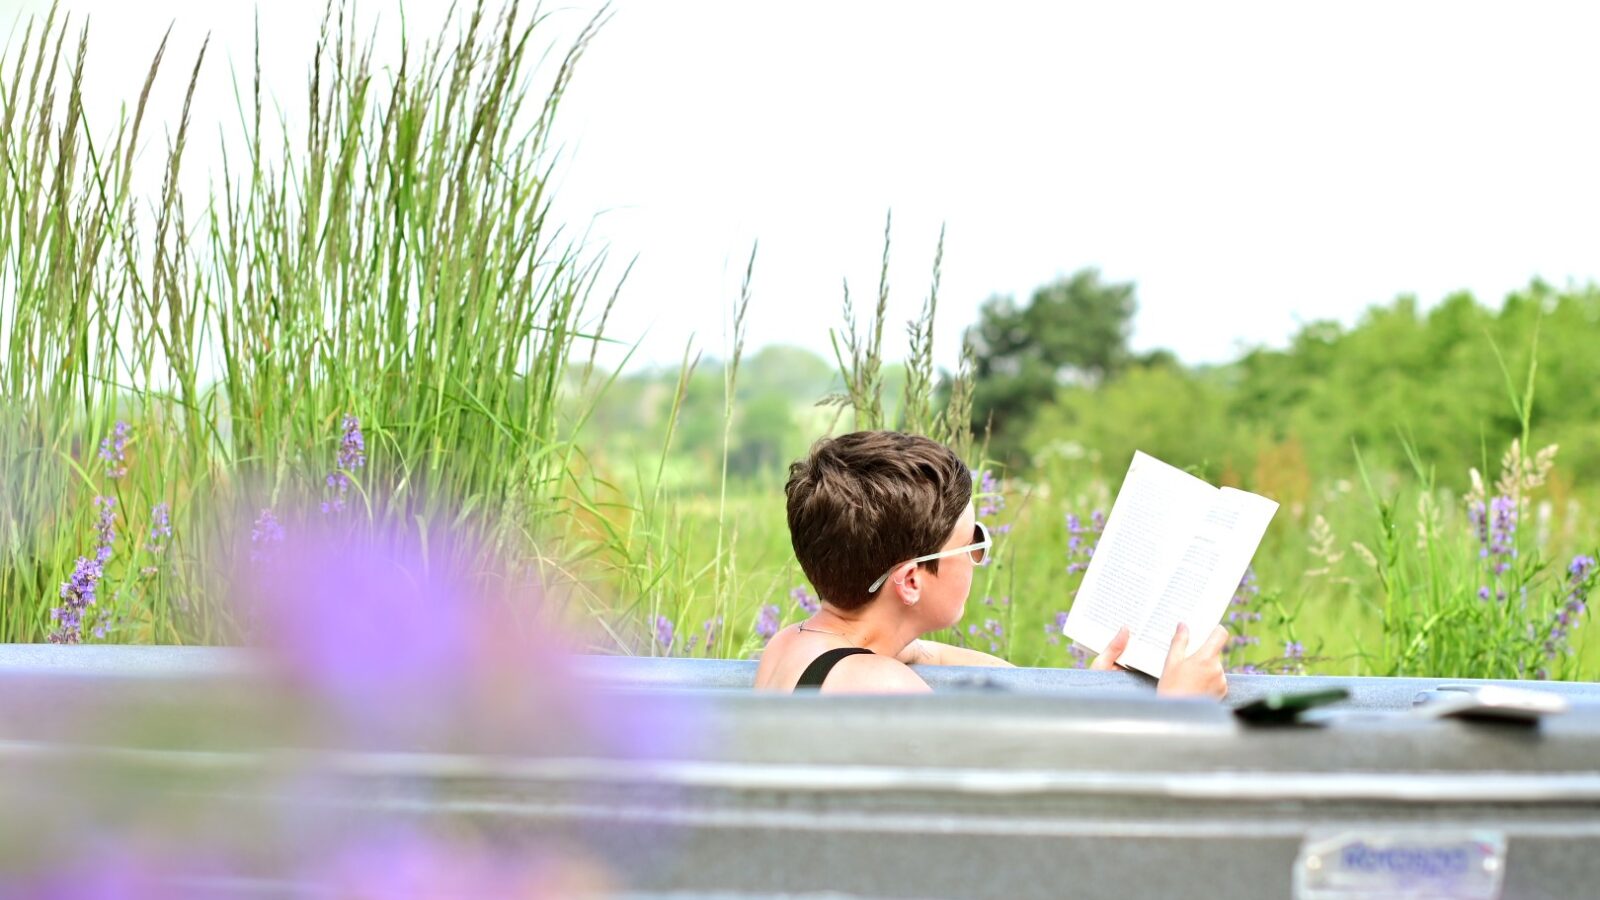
{"x": 862, "y": 502}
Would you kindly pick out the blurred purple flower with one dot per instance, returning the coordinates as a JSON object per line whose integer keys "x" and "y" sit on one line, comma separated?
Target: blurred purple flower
{"x": 396, "y": 643}
{"x": 399, "y": 638}
{"x": 768, "y": 622}
{"x": 160, "y": 527}
{"x": 710, "y": 628}
{"x": 1080, "y": 655}
{"x": 989, "y": 496}
{"x": 105, "y": 527}
{"x": 1293, "y": 650}
{"x": 352, "y": 456}
{"x": 353, "y": 448}
{"x": 1052, "y": 630}
{"x": 1242, "y": 613}
{"x": 1495, "y": 525}
{"x": 112, "y": 451}
{"x": 805, "y": 601}
{"x": 399, "y": 862}
{"x": 264, "y": 535}
{"x": 1557, "y": 638}
{"x": 664, "y": 633}
{"x": 160, "y": 535}
{"x": 993, "y": 631}
{"x": 1081, "y": 541}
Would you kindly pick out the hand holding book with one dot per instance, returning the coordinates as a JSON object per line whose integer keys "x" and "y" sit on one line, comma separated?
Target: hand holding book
{"x": 1198, "y": 674}
{"x": 1173, "y": 550}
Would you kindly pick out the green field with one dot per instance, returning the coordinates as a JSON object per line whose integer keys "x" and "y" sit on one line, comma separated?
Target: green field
{"x": 374, "y": 324}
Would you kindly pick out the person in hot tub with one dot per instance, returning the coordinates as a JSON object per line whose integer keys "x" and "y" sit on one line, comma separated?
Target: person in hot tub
{"x": 883, "y": 526}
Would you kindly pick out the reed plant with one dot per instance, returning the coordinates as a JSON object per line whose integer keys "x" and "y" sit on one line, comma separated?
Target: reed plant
{"x": 390, "y": 272}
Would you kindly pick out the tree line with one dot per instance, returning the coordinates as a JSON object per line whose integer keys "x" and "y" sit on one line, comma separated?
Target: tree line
{"x": 1055, "y": 374}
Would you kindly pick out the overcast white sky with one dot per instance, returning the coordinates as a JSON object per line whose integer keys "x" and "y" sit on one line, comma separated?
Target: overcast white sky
{"x": 1250, "y": 166}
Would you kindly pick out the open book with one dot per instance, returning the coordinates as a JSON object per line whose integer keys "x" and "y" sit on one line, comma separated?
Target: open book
{"x": 1173, "y": 550}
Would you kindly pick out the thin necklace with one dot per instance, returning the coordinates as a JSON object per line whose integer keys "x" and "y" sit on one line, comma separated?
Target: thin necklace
{"x": 803, "y": 627}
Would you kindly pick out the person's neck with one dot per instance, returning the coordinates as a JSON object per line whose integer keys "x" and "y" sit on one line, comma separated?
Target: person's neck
{"x": 874, "y": 627}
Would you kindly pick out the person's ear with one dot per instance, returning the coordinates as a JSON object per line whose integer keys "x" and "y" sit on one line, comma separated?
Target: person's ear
{"x": 907, "y": 582}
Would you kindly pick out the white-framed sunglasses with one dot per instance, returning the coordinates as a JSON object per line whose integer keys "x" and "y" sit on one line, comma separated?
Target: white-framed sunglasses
{"x": 979, "y": 548}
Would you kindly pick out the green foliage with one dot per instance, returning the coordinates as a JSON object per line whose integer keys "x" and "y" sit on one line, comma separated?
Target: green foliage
{"x": 931, "y": 406}
{"x": 1162, "y": 409}
{"x": 774, "y": 415}
{"x": 1399, "y": 375}
{"x": 393, "y": 262}
{"x": 1073, "y": 331}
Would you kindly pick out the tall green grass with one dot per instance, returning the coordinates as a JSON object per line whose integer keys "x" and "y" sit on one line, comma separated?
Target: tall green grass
{"x": 395, "y": 261}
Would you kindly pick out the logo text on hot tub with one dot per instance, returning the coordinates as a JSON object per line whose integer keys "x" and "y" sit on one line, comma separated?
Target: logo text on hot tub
{"x": 1419, "y": 862}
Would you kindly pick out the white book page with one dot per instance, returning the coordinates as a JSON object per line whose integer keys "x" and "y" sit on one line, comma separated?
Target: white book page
{"x": 1205, "y": 578}
{"x": 1153, "y": 518}
{"x": 1249, "y": 515}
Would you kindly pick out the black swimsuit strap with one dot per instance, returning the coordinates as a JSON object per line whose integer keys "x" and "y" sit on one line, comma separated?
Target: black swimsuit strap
{"x": 817, "y": 672}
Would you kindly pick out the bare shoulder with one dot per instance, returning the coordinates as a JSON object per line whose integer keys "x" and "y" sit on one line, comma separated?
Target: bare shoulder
{"x": 871, "y": 673}
{"x": 773, "y": 659}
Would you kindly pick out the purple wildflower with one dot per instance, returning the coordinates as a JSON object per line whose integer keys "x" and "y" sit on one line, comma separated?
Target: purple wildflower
{"x": 78, "y": 591}
{"x": 805, "y": 601}
{"x": 1495, "y": 524}
{"x": 1580, "y": 567}
{"x": 106, "y": 527}
{"x": 1080, "y": 655}
{"x": 112, "y": 451}
{"x": 991, "y": 630}
{"x": 1052, "y": 630}
{"x": 1576, "y": 603}
{"x": 990, "y": 499}
{"x": 1242, "y": 613}
{"x": 160, "y": 534}
{"x": 767, "y": 623}
{"x": 352, "y": 456}
{"x": 1081, "y": 541}
{"x": 160, "y": 527}
{"x": 353, "y": 448}
{"x": 710, "y": 628}
{"x": 664, "y": 633}
{"x": 265, "y": 533}
{"x": 77, "y": 595}
{"x": 1294, "y": 650}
